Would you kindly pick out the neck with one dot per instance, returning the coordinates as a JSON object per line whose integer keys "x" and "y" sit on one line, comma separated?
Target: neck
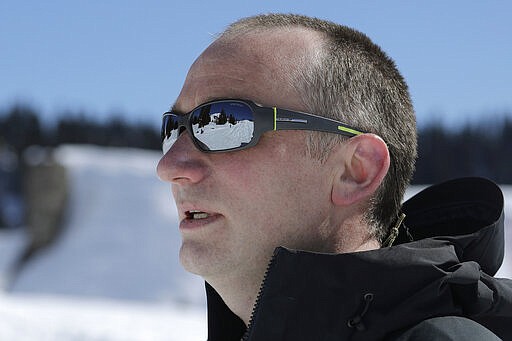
{"x": 239, "y": 292}
{"x": 370, "y": 244}
{"x": 351, "y": 235}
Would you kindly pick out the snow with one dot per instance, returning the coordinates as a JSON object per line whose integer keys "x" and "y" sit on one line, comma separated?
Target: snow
{"x": 226, "y": 136}
{"x": 231, "y": 136}
{"x": 56, "y": 318}
{"x": 114, "y": 274}
{"x": 121, "y": 239}
{"x": 11, "y": 242}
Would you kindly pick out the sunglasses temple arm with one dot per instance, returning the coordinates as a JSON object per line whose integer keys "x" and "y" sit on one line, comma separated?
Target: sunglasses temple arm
{"x": 291, "y": 120}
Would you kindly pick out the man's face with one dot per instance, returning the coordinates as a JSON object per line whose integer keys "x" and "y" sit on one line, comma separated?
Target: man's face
{"x": 255, "y": 199}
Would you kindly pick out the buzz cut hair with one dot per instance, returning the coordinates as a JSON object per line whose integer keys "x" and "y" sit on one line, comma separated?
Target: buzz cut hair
{"x": 354, "y": 81}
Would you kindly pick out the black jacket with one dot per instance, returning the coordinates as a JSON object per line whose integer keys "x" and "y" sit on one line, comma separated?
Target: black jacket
{"x": 437, "y": 287}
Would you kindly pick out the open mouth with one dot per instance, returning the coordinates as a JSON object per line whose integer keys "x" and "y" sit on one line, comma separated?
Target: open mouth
{"x": 196, "y": 215}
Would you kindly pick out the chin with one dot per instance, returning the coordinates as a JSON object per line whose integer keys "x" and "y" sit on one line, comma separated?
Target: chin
{"x": 198, "y": 259}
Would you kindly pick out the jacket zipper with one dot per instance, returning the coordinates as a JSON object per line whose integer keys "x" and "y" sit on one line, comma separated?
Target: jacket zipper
{"x": 258, "y": 298}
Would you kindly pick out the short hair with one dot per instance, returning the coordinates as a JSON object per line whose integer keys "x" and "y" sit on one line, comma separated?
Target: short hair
{"x": 356, "y": 82}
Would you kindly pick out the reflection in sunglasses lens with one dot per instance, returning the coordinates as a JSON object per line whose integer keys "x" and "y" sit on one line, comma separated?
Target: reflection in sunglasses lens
{"x": 217, "y": 126}
{"x": 223, "y": 125}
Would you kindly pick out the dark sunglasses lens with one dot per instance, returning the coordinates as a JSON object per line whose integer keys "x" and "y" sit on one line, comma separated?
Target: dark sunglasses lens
{"x": 223, "y": 125}
{"x": 170, "y": 131}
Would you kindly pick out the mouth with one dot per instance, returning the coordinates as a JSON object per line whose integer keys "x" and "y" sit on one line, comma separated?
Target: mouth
{"x": 195, "y": 219}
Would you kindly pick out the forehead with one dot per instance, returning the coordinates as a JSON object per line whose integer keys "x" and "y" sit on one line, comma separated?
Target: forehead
{"x": 260, "y": 66}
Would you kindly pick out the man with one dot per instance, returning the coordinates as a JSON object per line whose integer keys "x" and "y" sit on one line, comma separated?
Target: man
{"x": 284, "y": 209}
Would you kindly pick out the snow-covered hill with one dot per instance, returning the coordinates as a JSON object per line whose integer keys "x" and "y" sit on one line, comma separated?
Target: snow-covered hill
{"x": 114, "y": 273}
{"x": 121, "y": 238}
{"x": 28, "y": 317}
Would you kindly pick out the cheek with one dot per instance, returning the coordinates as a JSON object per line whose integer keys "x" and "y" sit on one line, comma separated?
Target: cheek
{"x": 276, "y": 193}
{"x": 246, "y": 170}
{"x": 273, "y": 181}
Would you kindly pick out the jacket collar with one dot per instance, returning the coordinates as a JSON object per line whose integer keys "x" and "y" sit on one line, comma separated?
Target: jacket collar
{"x": 367, "y": 295}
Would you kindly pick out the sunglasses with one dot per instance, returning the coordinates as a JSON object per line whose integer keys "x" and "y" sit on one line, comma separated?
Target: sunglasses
{"x": 234, "y": 124}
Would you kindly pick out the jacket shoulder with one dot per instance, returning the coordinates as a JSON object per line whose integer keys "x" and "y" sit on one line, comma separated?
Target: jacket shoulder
{"x": 447, "y": 328}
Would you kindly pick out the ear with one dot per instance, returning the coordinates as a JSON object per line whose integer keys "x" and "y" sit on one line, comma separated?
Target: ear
{"x": 365, "y": 160}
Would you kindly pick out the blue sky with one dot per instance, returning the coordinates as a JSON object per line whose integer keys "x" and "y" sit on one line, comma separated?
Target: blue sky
{"x": 109, "y": 57}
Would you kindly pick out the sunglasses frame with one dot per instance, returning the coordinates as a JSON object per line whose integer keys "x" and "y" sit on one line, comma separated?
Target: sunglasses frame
{"x": 265, "y": 119}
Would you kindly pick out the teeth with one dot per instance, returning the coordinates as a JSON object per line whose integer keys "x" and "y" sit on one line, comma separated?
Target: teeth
{"x": 200, "y": 215}
{"x": 197, "y": 214}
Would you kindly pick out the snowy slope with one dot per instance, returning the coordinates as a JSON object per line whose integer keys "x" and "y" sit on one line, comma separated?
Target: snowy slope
{"x": 121, "y": 237}
{"x": 57, "y": 318}
{"x": 114, "y": 273}
{"x": 232, "y": 136}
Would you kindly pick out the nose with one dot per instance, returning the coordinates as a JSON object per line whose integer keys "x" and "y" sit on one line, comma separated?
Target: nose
{"x": 183, "y": 164}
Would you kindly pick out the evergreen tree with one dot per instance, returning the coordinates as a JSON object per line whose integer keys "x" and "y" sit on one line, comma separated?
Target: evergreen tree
{"x": 223, "y": 118}
{"x": 232, "y": 119}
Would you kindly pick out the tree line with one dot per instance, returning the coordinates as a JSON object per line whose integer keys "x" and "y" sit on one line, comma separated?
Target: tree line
{"x": 473, "y": 150}
{"x": 478, "y": 149}
{"x": 20, "y": 128}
